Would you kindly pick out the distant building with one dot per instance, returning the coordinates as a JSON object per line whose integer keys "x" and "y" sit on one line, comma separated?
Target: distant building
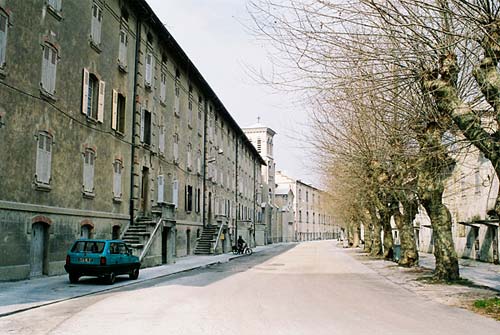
{"x": 313, "y": 216}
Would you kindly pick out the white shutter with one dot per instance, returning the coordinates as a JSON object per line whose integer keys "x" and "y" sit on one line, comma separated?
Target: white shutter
{"x": 100, "y": 102}
{"x": 48, "y": 159}
{"x": 142, "y": 125}
{"x": 3, "y": 38}
{"x": 85, "y": 91}
{"x": 175, "y": 193}
{"x": 161, "y": 140}
{"x": 161, "y": 188}
{"x": 198, "y": 165}
{"x": 114, "y": 109}
{"x": 177, "y": 105}
{"x": 41, "y": 166}
{"x": 117, "y": 189}
{"x": 149, "y": 58}
{"x": 176, "y": 149}
{"x": 91, "y": 173}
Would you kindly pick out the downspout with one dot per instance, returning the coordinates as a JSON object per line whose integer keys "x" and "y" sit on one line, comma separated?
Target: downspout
{"x": 236, "y": 193}
{"x": 204, "y": 167}
{"x": 254, "y": 203}
{"x": 134, "y": 111}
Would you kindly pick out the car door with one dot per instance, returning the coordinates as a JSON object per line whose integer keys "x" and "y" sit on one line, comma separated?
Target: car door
{"x": 114, "y": 257}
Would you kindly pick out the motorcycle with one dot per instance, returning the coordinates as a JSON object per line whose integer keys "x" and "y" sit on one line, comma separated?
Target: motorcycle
{"x": 246, "y": 250}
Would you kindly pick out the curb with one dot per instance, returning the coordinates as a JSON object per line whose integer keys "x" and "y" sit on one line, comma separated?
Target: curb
{"x": 128, "y": 283}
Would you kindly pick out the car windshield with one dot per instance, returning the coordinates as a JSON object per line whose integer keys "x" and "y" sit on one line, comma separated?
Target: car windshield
{"x": 88, "y": 246}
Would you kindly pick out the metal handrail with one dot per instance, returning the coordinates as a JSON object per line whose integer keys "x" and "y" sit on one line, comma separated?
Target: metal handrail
{"x": 150, "y": 241}
{"x": 218, "y": 237}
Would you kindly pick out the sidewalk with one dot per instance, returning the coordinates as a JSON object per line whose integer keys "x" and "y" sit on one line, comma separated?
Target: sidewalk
{"x": 480, "y": 273}
{"x": 27, "y": 294}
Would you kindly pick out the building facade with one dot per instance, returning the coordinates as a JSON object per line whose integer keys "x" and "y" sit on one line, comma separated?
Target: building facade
{"x": 313, "y": 216}
{"x": 106, "y": 124}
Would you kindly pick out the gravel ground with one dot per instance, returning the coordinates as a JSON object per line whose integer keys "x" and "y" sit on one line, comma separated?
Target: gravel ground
{"x": 419, "y": 280}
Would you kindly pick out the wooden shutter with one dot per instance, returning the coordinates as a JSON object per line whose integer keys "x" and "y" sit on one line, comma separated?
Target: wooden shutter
{"x": 149, "y": 68}
{"x": 40, "y": 157}
{"x": 117, "y": 186}
{"x": 142, "y": 125}
{"x": 48, "y": 158}
{"x": 161, "y": 140}
{"x": 85, "y": 91}
{"x": 100, "y": 102}
{"x": 114, "y": 110}
{"x": 3, "y": 37}
{"x": 161, "y": 188}
{"x": 175, "y": 193}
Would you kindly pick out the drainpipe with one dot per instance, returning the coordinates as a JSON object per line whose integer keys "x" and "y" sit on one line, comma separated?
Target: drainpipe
{"x": 236, "y": 193}
{"x": 134, "y": 110}
{"x": 254, "y": 203}
{"x": 204, "y": 167}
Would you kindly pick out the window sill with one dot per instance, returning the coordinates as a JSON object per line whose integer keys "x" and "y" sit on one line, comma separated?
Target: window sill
{"x": 190, "y": 126}
{"x": 47, "y": 96}
{"x": 95, "y": 46}
{"x": 57, "y": 14}
{"x": 122, "y": 67}
{"x": 91, "y": 119}
{"x": 117, "y": 200}
{"x": 163, "y": 103}
{"x": 3, "y": 71}
{"x": 39, "y": 186}
{"x": 88, "y": 195}
{"x": 119, "y": 133}
{"x": 177, "y": 114}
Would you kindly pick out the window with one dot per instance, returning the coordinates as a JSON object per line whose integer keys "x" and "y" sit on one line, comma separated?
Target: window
{"x": 117, "y": 179}
{"x": 96, "y": 23}
{"x": 161, "y": 139}
{"x": 145, "y": 127}
{"x": 190, "y": 106}
{"x": 175, "y": 193}
{"x": 189, "y": 198}
{"x": 118, "y": 119}
{"x": 43, "y": 159}
{"x": 198, "y": 200}
{"x": 189, "y": 157}
{"x": 4, "y": 24}
{"x": 93, "y": 96}
{"x": 150, "y": 63}
{"x": 163, "y": 87}
{"x": 300, "y": 216}
{"x": 161, "y": 189}
{"x": 49, "y": 68}
{"x": 88, "y": 171}
{"x": 122, "y": 49}
{"x": 176, "y": 148}
{"x": 198, "y": 163}
{"x": 177, "y": 93}
{"x": 200, "y": 115}
{"x": 259, "y": 145}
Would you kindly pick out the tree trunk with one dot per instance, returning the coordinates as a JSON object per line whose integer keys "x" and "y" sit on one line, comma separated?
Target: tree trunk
{"x": 376, "y": 249}
{"x": 368, "y": 235}
{"x": 385, "y": 218}
{"x": 444, "y": 249}
{"x": 404, "y": 222}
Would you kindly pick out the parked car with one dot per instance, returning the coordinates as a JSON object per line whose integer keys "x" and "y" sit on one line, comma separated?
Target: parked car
{"x": 101, "y": 258}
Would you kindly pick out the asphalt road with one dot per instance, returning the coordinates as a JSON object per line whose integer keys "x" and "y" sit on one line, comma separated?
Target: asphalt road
{"x": 310, "y": 288}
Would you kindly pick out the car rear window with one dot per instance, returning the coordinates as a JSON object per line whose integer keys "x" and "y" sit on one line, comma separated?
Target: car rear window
{"x": 88, "y": 246}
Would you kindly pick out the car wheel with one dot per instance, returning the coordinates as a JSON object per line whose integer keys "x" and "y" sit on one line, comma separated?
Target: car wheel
{"x": 73, "y": 278}
{"x": 110, "y": 280}
{"x": 134, "y": 274}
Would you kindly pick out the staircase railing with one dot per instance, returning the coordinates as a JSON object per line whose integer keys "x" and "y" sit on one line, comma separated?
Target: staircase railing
{"x": 151, "y": 238}
{"x": 218, "y": 238}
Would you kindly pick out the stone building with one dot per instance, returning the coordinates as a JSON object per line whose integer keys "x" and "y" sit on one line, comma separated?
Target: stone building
{"x": 312, "y": 210}
{"x": 108, "y": 130}
{"x": 470, "y": 194}
{"x": 262, "y": 138}
{"x": 284, "y": 231}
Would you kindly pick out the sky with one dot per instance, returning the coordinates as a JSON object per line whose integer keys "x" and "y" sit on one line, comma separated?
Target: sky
{"x": 215, "y": 36}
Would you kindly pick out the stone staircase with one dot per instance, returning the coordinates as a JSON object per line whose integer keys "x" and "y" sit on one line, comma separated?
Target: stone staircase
{"x": 138, "y": 234}
{"x": 206, "y": 240}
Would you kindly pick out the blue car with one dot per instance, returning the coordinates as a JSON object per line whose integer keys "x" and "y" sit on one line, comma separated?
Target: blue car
{"x": 101, "y": 258}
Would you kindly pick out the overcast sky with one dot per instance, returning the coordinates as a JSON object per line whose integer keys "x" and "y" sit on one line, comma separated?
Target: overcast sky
{"x": 214, "y": 36}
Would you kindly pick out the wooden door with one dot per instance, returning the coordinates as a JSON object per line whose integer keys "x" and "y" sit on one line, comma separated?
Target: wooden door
{"x": 38, "y": 252}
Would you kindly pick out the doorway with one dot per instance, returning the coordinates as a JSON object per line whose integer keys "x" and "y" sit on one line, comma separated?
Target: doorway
{"x": 164, "y": 246}
{"x": 38, "y": 250}
{"x": 115, "y": 234}
{"x": 144, "y": 191}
